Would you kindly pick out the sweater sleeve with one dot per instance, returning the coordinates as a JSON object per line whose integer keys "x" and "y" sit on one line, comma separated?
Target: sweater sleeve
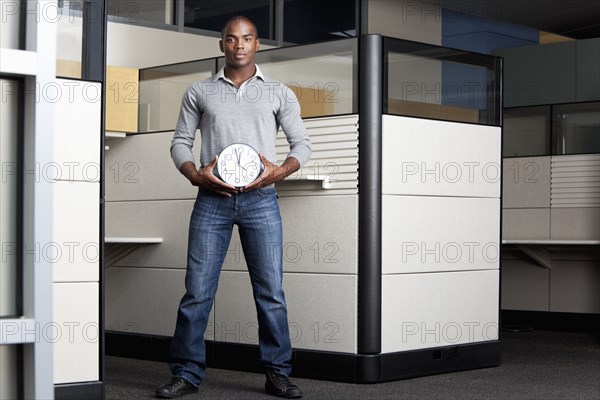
{"x": 185, "y": 130}
{"x": 290, "y": 121}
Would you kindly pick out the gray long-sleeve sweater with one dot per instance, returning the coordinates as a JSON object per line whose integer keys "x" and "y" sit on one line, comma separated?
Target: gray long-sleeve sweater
{"x": 250, "y": 114}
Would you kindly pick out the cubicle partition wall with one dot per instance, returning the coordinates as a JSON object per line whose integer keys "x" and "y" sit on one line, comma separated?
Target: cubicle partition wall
{"x": 391, "y": 230}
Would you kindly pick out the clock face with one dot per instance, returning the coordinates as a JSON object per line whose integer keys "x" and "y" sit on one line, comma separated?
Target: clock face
{"x": 239, "y": 165}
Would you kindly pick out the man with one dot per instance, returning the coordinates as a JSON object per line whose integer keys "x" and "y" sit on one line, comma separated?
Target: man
{"x": 225, "y": 111}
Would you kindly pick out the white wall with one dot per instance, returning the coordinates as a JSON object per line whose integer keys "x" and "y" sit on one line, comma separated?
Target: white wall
{"x": 406, "y": 19}
{"x": 137, "y": 46}
{"x": 140, "y": 47}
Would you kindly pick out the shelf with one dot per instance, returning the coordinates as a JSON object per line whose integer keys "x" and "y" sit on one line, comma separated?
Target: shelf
{"x": 535, "y": 248}
{"x": 324, "y": 182}
{"x": 118, "y": 248}
{"x": 137, "y": 240}
{"x": 552, "y": 242}
{"x": 113, "y": 134}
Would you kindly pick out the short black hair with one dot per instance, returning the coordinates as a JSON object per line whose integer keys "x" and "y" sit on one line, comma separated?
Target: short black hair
{"x": 235, "y": 19}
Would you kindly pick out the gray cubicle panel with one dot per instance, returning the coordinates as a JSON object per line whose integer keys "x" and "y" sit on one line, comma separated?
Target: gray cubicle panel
{"x": 551, "y": 210}
{"x": 391, "y": 236}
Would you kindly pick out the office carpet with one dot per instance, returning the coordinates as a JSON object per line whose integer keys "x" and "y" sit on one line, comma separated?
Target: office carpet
{"x": 535, "y": 365}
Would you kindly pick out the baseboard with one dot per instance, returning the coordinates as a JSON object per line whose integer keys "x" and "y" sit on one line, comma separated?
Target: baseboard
{"x": 330, "y": 366}
{"x": 135, "y": 345}
{"x": 440, "y": 360}
{"x": 78, "y": 391}
{"x": 549, "y": 321}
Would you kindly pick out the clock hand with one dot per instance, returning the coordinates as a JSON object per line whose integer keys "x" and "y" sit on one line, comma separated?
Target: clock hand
{"x": 238, "y": 155}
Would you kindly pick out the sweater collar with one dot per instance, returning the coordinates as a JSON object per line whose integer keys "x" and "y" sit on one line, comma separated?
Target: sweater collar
{"x": 221, "y": 75}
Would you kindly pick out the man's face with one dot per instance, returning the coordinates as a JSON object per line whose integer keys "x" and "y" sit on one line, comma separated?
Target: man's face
{"x": 239, "y": 44}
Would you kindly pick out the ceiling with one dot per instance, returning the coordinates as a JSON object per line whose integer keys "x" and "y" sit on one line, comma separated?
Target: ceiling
{"x": 577, "y": 19}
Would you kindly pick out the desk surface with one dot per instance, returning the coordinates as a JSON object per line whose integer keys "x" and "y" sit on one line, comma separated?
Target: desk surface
{"x": 572, "y": 242}
{"x": 132, "y": 240}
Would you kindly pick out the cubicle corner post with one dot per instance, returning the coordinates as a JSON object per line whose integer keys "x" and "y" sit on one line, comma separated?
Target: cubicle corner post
{"x": 499, "y": 82}
{"x": 369, "y": 200}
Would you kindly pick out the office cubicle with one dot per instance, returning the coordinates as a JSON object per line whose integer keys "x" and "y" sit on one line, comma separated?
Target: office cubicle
{"x": 391, "y": 230}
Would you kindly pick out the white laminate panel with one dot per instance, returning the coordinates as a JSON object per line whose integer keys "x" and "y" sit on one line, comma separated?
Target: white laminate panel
{"x": 320, "y": 235}
{"x": 77, "y": 130}
{"x": 526, "y": 182}
{"x": 321, "y": 311}
{"x": 145, "y": 300}
{"x": 526, "y": 223}
{"x": 75, "y": 250}
{"x": 75, "y": 332}
{"x": 429, "y": 157}
{"x": 425, "y": 234}
{"x": 168, "y": 220}
{"x": 440, "y": 309}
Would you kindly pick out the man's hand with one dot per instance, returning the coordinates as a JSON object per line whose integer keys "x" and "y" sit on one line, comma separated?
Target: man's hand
{"x": 273, "y": 173}
{"x": 205, "y": 178}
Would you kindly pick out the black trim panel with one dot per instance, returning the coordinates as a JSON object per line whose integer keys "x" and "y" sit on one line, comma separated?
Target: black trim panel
{"x": 78, "y": 391}
{"x": 411, "y": 364}
{"x": 549, "y": 321}
{"x": 329, "y": 366}
{"x": 141, "y": 347}
{"x": 369, "y": 193}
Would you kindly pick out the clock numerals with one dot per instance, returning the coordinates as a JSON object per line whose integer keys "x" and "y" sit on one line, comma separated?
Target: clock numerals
{"x": 238, "y": 165}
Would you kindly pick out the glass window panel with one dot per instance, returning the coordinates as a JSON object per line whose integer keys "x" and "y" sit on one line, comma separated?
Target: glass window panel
{"x": 576, "y": 128}
{"x": 69, "y": 38}
{"x": 526, "y": 132}
{"x": 309, "y": 21}
{"x": 211, "y": 14}
{"x": 131, "y": 11}
{"x": 10, "y": 26}
{"x": 322, "y": 75}
{"x": 428, "y": 81}
{"x": 9, "y": 189}
{"x": 161, "y": 90}
{"x": 9, "y": 371}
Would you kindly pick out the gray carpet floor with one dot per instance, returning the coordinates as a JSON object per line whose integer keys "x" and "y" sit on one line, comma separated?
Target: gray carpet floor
{"x": 535, "y": 365}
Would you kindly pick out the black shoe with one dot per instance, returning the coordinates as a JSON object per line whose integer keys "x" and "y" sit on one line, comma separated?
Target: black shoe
{"x": 176, "y": 387}
{"x": 280, "y": 385}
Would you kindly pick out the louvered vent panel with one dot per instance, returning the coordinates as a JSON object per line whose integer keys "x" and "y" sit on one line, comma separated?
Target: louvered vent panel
{"x": 333, "y": 166}
{"x": 575, "y": 181}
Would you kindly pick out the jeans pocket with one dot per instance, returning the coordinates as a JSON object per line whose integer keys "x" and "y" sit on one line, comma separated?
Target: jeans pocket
{"x": 267, "y": 191}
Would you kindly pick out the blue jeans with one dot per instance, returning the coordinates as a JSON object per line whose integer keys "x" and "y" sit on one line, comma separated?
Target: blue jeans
{"x": 257, "y": 215}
